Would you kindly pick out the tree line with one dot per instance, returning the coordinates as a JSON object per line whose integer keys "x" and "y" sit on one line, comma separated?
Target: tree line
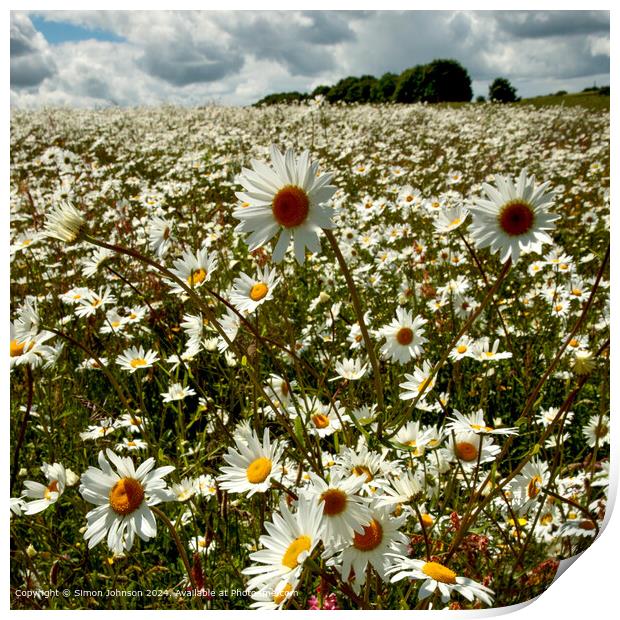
{"x": 441, "y": 80}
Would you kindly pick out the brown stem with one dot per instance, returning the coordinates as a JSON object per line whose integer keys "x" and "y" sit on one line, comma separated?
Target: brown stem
{"x": 22, "y": 428}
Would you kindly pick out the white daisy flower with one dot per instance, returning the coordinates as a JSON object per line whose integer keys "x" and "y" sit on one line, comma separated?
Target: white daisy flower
{"x": 471, "y": 449}
{"x": 403, "y": 337}
{"x": 65, "y": 223}
{"x": 286, "y": 199}
{"x": 437, "y": 576}
{"x": 512, "y": 219}
{"x": 134, "y": 359}
{"x": 44, "y": 495}
{"x": 419, "y": 383}
{"x": 123, "y": 498}
{"x": 249, "y": 293}
{"x": 460, "y": 423}
{"x": 350, "y": 369}
{"x": 371, "y": 546}
{"x": 290, "y": 539}
{"x": 252, "y": 465}
{"x": 177, "y": 392}
{"x": 159, "y": 236}
{"x": 344, "y": 513}
{"x": 194, "y": 269}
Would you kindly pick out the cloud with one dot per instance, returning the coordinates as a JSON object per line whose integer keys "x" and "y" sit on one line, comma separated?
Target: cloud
{"x": 31, "y": 61}
{"x": 237, "y": 57}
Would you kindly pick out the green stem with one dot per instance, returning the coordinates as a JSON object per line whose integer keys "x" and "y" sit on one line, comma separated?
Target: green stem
{"x": 357, "y": 306}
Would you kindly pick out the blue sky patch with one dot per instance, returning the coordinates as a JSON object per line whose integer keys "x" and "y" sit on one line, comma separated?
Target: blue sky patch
{"x": 61, "y": 32}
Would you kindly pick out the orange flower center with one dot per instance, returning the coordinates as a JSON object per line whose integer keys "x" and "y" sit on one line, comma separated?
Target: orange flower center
{"x": 516, "y": 218}
{"x": 126, "y": 496}
{"x": 335, "y": 501}
{"x": 197, "y": 277}
{"x": 533, "y": 488}
{"x": 371, "y": 537}
{"x": 404, "y": 336}
{"x": 17, "y": 348}
{"x": 362, "y": 470}
{"x": 466, "y": 451}
{"x": 461, "y": 348}
{"x": 320, "y": 421}
{"x": 439, "y": 572}
{"x": 258, "y": 291}
{"x": 282, "y": 594}
{"x": 290, "y": 206}
{"x": 298, "y": 546}
{"x": 52, "y": 487}
{"x": 258, "y": 470}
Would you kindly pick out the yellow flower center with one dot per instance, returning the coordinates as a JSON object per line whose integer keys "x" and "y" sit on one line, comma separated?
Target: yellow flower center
{"x": 17, "y": 348}
{"x": 298, "y": 546}
{"x": 461, "y": 348}
{"x": 371, "y": 537}
{"x": 427, "y": 520}
{"x": 258, "y": 470}
{"x": 576, "y": 292}
{"x": 52, "y": 487}
{"x": 126, "y": 496}
{"x": 258, "y": 291}
{"x": 455, "y": 221}
{"x": 439, "y": 572}
{"x": 115, "y": 323}
{"x": 362, "y": 470}
{"x": 466, "y": 451}
{"x": 404, "y": 336}
{"x": 320, "y": 421}
{"x": 197, "y": 277}
{"x": 282, "y": 594}
{"x": 335, "y": 501}
{"x": 516, "y": 218}
{"x": 290, "y": 206}
{"x": 138, "y": 362}
{"x": 533, "y": 488}
{"x": 424, "y": 384}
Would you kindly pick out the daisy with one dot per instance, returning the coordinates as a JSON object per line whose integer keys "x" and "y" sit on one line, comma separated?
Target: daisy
{"x": 177, "y": 392}
{"x": 65, "y": 223}
{"x": 460, "y": 423}
{"x": 134, "y": 358}
{"x": 159, "y": 236}
{"x": 274, "y": 597}
{"x": 344, "y": 513}
{"x": 286, "y": 198}
{"x": 528, "y": 484}
{"x": 410, "y": 435}
{"x": 184, "y": 490}
{"x": 471, "y": 449}
{"x": 437, "y": 576}
{"x": 28, "y": 350}
{"x": 450, "y": 218}
{"x": 131, "y": 444}
{"x": 290, "y": 539}
{"x": 350, "y": 369}
{"x": 279, "y": 389}
{"x": 103, "y": 429}
{"x": 371, "y": 546}
{"x": 419, "y": 384}
{"x": 252, "y": 465}
{"x": 403, "y": 337}
{"x": 463, "y": 348}
{"x": 249, "y": 293}
{"x": 512, "y": 219}
{"x": 483, "y": 353}
{"x": 596, "y": 431}
{"x": 123, "y": 498}
{"x": 321, "y": 420}
{"x": 403, "y": 489}
{"x": 44, "y": 495}
{"x": 194, "y": 269}
{"x": 198, "y": 544}
{"x": 93, "y": 301}
{"x": 206, "y": 486}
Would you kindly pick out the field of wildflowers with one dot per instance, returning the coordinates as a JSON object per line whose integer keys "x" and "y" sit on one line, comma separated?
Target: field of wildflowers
{"x": 306, "y": 357}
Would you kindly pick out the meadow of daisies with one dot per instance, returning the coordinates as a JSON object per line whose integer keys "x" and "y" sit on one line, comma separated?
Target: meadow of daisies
{"x": 306, "y": 357}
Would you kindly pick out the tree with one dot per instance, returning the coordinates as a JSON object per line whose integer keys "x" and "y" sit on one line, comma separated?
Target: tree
{"x": 446, "y": 80}
{"x": 384, "y": 88}
{"x": 409, "y": 85}
{"x": 502, "y": 90}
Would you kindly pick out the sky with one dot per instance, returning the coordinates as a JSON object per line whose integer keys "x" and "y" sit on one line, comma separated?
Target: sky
{"x": 94, "y": 59}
